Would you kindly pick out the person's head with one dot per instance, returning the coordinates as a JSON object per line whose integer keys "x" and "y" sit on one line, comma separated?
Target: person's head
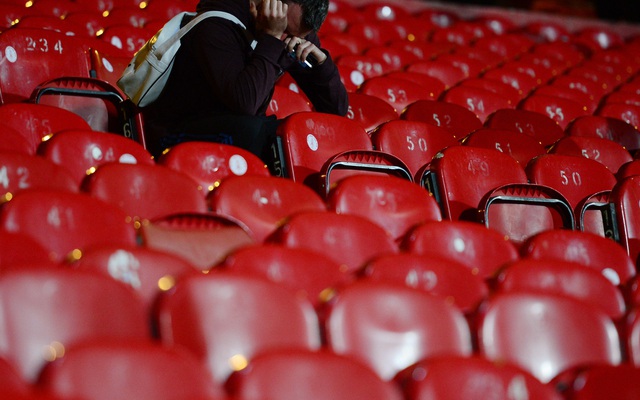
{"x": 306, "y": 16}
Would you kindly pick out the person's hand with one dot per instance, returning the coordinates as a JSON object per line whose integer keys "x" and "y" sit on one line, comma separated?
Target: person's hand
{"x": 272, "y": 18}
{"x": 303, "y": 48}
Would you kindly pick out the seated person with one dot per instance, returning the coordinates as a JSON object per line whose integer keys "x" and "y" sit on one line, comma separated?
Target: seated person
{"x": 223, "y": 75}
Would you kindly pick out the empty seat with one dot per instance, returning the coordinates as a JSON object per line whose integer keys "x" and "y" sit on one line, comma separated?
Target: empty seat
{"x": 208, "y": 162}
{"x": 285, "y": 102}
{"x": 311, "y": 274}
{"x": 226, "y": 319}
{"x": 598, "y": 253}
{"x": 46, "y": 310}
{"x": 479, "y": 248}
{"x": 262, "y": 203}
{"x": 23, "y": 171}
{"x": 624, "y": 197}
{"x": 453, "y": 117}
{"x": 82, "y": 151}
{"x": 369, "y": 111}
{"x": 546, "y": 334}
{"x": 629, "y": 113}
{"x": 602, "y": 381}
{"x": 296, "y": 374}
{"x": 350, "y": 240}
{"x": 389, "y": 327}
{"x": 559, "y": 109}
{"x": 607, "y": 152}
{"x": 577, "y": 178}
{"x": 146, "y": 191}
{"x": 521, "y": 147}
{"x": 36, "y": 121}
{"x": 610, "y": 128}
{"x": 37, "y": 55}
{"x": 446, "y": 71}
{"x": 149, "y": 272}
{"x": 480, "y": 101}
{"x": 63, "y": 221}
{"x": 317, "y": 149}
{"x": 434, "y": 274}
{"x": 399, "y": 93}
{"x": 414, "y": 142}
{"x": 101, "y": 370}
{"x": 460, "y": 378}
{"x": 539, "y": 126}
{"x": 395, "y": 204}
{"x": 201, "y": 239}
{"x": 549, "y": 276}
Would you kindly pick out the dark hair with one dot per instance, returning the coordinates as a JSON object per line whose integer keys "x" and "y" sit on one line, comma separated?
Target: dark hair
{"x": 314, "y": 12}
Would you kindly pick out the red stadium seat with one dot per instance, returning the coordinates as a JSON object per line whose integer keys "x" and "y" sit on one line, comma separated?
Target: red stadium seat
{"x": 82, "y": 151}
{"x": 629, "y": 113}
{"x": 350, "y": 240}
{"x": 607, "y": 152}
{"x": 47, "y": 310}
{"x": 521, "y": 147}
{"x": 296, "y": 374}
{"x": 550, "y": 276}
{"x": 36, "y": 121}
{"x": 437, "y": 275}
{"x": 209, "y": 163}
{"x": 395, "y": 204}
{"x": 598, "y": 253}
{"x": 146, "y": 191}
{"x": 149, "y": 272}
{"x": 482, "y": 250}
{"x": 539, "y": 126}
{"x": 23, "y": 171}
{"x": 479, "y": 101}
{"x": 444, "y": 70}
{"x": 414, "y": 142}
{"x": 227, "y": 319}
{"x": 397, "y": 92}
{"x": 601, "y": 381}
{"x": 610, "y": 128}
{"x": 453, "y": 117}
{"x": 456, "y": 378}
{"x": 14, "y": 141}
{"x": 561, "y": 110}
{"x": 311, "y": 274}
{"x": 389, "y": 327}
{"x": 129, "y": 369}
{"x": 18, "y": 249}
{"x": 546, "y": 334}
{"x": 62, "y": 221}
{"x": 262, "y": 203}
{"x": 286, "y": 102}
{"x": 370, "y": 111}
{"x": 35, "y": 55}
{"x": 624, "y": 197}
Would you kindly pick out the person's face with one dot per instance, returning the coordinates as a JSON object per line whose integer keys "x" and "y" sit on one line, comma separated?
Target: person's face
{"x": 294, "y": 21}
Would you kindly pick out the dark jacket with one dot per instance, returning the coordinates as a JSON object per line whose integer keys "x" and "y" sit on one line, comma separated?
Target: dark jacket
{"x": 216, "y": 72}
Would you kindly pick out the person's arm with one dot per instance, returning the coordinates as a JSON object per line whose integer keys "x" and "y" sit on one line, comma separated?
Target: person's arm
{"x": 241, "y": 79}
{"x": 322, "y": 83}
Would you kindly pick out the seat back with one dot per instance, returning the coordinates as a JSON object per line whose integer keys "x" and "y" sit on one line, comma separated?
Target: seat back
{"x": 310, "y": 273}
{"x": 624, "y": 197}
{"x": 458, "y": 378}
{"x": 35, "y": 55}
{"x": 455, "y": 118}
{"x": 81, "y": 152}
{"x": 370, "y": 111}
{"x": 262, "y": 203}
{"x": 132, "y": 369}
{"x": 414, "y": 142}
{"x": 541, "y": 127}
{"x": 394, "y": 204}
{"x": 375, "y": 322}
{"x": 397, "y": 92}
{"x": 610, "y": 128}
{"x": 564, "y": 278}
{"x": 480, "y": 101}
{"x": 47, "y": 310}
{"x": 521, "y": 147}
{"x": 435, "y": 274}
{"x": 350, "y": 240}
{"x": 208, "y": 163}
{"x": 290, "y": 375}
{"x": 145, "y": 191}
{"x": 460, "y": 176}
{"x": 481, "y": 249}
{"x": 607, "y": 152}
{"x": 226, "y": 319}
{"x": 63, "y": 221}
{"x": 36, "y": 121}
{"x": 23, "y": 171}
{"x": 559, "y": 109}
{"x": 149, "y": 272}
{"x": 600, "y": 254}
{"x": 547, "y": 334}
{"x": 285, "y": 102}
